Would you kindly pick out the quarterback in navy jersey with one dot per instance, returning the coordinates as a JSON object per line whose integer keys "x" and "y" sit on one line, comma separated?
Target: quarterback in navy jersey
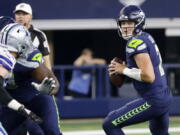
{"x": 144, "y": 67}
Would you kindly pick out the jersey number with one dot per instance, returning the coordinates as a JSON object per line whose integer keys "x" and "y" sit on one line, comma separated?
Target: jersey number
{"x": 161, "y": 70}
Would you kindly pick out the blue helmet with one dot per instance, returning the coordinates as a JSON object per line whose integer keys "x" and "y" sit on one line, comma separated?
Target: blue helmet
{"x": 5, "y": 20}
{"x": 132, "y": 13}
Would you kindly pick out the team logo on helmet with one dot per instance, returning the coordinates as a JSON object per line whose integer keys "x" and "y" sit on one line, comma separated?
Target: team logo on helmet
{"x": 132, "y": 2}
{"x": 131, "y": 13}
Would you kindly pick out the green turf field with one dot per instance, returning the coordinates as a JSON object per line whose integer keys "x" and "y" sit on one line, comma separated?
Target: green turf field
{"x": 95, "y": 124}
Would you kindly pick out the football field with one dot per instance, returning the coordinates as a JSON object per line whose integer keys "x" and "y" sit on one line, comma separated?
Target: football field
{"x": 93, "y": 127}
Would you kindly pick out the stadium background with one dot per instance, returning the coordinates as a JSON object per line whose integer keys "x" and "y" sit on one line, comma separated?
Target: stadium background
{"x": 74, "y": 25}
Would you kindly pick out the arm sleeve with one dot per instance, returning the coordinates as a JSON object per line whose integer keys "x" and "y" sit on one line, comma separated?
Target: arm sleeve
{"x": 136, "y": 46}
{"x": 5, "y": 98}
{"x": 43, "y": 46}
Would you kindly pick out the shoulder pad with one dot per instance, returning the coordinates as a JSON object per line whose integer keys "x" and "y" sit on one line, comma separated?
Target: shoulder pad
{"x": 37, "y": 57}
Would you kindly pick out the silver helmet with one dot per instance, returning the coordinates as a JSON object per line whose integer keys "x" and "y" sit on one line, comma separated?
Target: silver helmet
{"x": 17, "y": 39}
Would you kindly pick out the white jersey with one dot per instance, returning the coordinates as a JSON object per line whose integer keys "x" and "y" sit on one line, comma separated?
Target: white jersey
{"x": 17, "y": 39}
{"x": 2, "y": 130}
{"x": 6, "y": 59}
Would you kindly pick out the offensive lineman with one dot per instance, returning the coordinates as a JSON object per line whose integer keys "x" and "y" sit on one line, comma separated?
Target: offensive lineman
{"x": 7, "y": 62}
{"x": 24, "y": 92}
{"x": 23, "y": 14}
{"x": 144, "y": 67}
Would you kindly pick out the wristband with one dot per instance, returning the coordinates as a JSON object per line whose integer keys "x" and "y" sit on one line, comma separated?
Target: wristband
{"x": 13, "y": 104}
{"x": 133, "y": 73}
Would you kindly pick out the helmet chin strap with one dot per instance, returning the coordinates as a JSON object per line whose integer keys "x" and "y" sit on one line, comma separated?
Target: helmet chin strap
{"x": 126, "y": 37}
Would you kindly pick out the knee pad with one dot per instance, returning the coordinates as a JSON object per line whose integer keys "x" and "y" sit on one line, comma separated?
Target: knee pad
{"x": 107, "y": 123}
{"x": 108, "y": 120}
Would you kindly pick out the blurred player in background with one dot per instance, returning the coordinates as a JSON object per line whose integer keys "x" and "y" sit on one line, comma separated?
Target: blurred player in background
{"x": 87, "y": 58}
{"x": 23, "y": 15}
{"x": 79, "y": 85}
{"x": 9, "y": 52}
{"x": 20, "y": 86}
{"x": 144, "y": 67}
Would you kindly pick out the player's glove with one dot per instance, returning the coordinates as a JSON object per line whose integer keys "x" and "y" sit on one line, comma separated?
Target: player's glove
{"x": 46, "y": 86}
{"x": 29, "y": 115}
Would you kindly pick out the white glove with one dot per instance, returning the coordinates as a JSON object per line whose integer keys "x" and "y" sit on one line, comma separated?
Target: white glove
{"x": 45, "y": 86}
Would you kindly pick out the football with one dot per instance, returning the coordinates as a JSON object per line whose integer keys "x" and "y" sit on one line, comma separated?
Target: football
{"x": 117, "y": 80}
{"x": 40, "y": 73}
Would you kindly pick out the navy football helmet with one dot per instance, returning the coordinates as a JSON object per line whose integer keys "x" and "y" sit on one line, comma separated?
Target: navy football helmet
{"x": 5, "y": 20}
{"x": 132, "y": 13}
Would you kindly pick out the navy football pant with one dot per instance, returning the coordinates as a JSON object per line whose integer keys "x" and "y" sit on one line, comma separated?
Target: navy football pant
{"x": 28, "y": 126}
{"x": 135, "y": 112}
{"x": 43, "y": 106}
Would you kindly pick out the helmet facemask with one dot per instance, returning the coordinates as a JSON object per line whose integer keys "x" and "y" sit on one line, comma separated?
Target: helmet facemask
{"x": 126, "y": 32}
{"x": 134, "y": 14}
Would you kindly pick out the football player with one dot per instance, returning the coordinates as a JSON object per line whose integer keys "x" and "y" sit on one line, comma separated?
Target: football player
{"x": 21, "y": 89}
{"x": 23, "y": 14}
{"x": 8, "y": 57}
{"x": 144, "y": 67}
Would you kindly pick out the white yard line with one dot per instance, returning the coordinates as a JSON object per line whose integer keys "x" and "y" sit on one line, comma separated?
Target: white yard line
{"x": 127, "y": 131}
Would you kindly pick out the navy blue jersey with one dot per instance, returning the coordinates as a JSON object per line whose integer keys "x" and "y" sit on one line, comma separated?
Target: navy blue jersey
{"x": 144, "y": 43}
{"x": 19, "y": 86}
